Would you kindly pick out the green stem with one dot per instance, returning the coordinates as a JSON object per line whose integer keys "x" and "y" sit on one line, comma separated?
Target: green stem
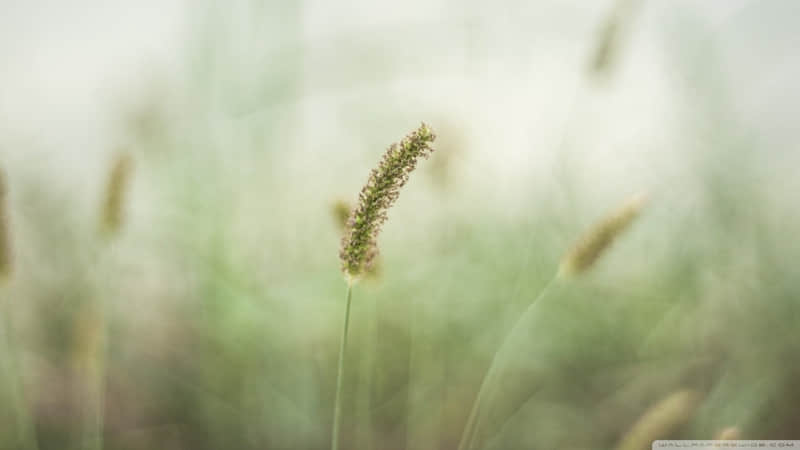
{"x": 367, "y": 357}
{"x": 24, "y": 420}
{"x": 486, "y": 391}
{"x": 337, "y": 405}
{"x": 95, "y": 372}
{"x": 94, "y": 368}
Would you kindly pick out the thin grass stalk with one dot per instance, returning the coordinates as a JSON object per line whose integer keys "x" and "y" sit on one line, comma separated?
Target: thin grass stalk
{"x": 366, "y": 439}
{"x": 488, "y": 387}
{"x": 337, "y": 405}
{"x": 413, "y": 329}
{"x": 590, "y": 246}
{"x": 93, "y": 364}
{"x": 24, "y": 422}
{"x": 6, "y": 256}
{"x": 94, "y": 347}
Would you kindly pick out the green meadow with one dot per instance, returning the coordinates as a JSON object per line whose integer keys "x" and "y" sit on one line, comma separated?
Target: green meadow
{"x": 171, "y": 273}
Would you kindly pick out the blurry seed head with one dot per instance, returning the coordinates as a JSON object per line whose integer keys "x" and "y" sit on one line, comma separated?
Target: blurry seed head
{"x": 114, "y": 197}
{"x": 728, "y": 434}
{"x": 359, "y": 243}
{"x": 661, "y": 419}
{"x": 609, "y": 38}
{"x": 340, "y": 209}
{"x": 591, "y": 245}
{"x": 6, "y": 259}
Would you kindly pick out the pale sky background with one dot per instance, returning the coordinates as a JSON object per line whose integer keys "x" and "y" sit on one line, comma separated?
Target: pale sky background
{"x": 504, "y": 73}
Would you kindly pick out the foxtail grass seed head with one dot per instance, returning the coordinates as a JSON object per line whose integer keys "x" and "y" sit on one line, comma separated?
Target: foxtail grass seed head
{"x": 598, "y": 238}
{"x": 661, "y": 419}
{"x": 359, "y": 244}
{"x": 6, "y": 260}
{"x": 112, "y": 215}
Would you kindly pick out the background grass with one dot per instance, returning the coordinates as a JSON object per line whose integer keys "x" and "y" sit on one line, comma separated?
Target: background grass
{"x": 223, "y": 293}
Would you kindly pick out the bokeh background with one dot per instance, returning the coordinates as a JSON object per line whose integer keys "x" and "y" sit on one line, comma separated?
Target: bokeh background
{"x": 210, "y": 318}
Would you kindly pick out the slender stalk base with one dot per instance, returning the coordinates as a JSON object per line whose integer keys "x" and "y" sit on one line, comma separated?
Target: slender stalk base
{"x": 91, "y": 352}
{"x": 337, "y": 406}
{"x": 367, "y": 358}
{"x": 92, "y": 358}
{"x": 486, "y": 391}
{"x": 25, "y": 427}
